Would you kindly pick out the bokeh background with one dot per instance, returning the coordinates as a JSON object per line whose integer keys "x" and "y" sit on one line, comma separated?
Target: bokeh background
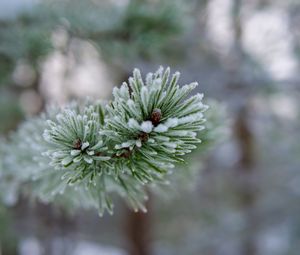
{"x": 244, "y": 196}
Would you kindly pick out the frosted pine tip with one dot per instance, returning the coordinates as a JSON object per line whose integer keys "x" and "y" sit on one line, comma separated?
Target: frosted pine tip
{"x": 155, "y": 116}
{"x": 77, "y": 144}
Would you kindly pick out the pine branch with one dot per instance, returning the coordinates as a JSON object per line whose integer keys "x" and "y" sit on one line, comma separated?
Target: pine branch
{"x": 89, "y": 151}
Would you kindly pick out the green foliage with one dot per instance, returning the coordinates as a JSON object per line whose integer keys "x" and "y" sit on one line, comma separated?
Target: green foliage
{"x": 8, "y": 240}
{"x": 150, "y": 26}
{"x": 143, "y": 29}
{"x": 10, "y": 112}
{"x": 90, "y": 151}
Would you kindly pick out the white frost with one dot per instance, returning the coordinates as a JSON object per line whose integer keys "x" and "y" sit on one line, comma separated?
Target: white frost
{"x": 161, "y": 128}
{"x": 170, "y": 145}
{"x": 147, "y": 126}
{"x": 85, "y": 145}
{"x": 145, "y": 97}
{"x": 66, "y": 161}
{"x": 126, "y": 144}
{"x": 191, "y": 118}
{"x": 132, "y": 123}
{"x": 130, "y": 102}
{"x": 171, "y": 122}
{"x": 75, "y": 152}
{"x": 124, "y": 90}
{"x": 138, "y": 143}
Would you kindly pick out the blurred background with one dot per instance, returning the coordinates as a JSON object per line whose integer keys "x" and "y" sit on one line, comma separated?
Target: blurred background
{"x": 244, "y": 196}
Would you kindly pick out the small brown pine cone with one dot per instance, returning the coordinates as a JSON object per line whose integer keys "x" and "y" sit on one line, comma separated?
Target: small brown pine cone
{"x": 155, "y": 116}
{"x": 77, "y": 144}
{"x": 143, "y": 137}
{"x": 126, "y": 154}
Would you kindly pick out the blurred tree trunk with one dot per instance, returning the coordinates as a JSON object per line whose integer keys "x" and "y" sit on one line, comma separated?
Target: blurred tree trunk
{"x": 246, "y": 184}
{"x": 138, "y": 231}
